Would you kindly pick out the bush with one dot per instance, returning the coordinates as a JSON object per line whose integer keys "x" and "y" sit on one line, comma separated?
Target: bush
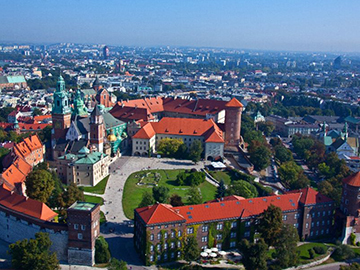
{"x": 194, "y": 178}
{"x": 320, "y": 250}
{"x": 352, "y": 239}
{"x": 102, "y": 252}
{"x": 358, "y": 244}
{"x": 311, "y": 253}
{"x": 342, "y": 253}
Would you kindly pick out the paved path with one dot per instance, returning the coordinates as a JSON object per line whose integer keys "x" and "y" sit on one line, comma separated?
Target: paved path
{"x": 118, "y": 230}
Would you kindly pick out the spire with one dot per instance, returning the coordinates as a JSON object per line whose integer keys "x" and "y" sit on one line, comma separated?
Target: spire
{"x": 79, "y": 106}
{"x": 60, "y": 86}
{"x": 345, "y": 131}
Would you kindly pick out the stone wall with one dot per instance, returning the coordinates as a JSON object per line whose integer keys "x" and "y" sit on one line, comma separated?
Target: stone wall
{"x": 14, "y": 229}
{"x": 81, "y": 256}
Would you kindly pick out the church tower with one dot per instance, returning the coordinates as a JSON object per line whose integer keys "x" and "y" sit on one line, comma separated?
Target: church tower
{"x": 61, "y": 112}
{"x": 233, "y": 112}
{"x": 97, "y": 129}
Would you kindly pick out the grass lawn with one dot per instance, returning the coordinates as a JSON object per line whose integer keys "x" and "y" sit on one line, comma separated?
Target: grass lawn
{"x": 304, "y": 253}
{"x": 99, "y": 188}
{"x": 218, "y": 175}
{"x": 94, "y": 199}
{"x": 133, "y": 193}
{"x": 102, "y": 217}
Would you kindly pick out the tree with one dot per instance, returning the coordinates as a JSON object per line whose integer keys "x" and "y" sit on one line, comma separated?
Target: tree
{"x": 254, "y": 254}
{"x": 181, "y": 179}
{"x": 102, "y": 252}
{"x": 270, "y": 224}
{"x": 45, "y": 134}
{"x": 243, "y": 188}
{"x": 160, "y": 194}
{"x": 342, "y": 253}
{"x": 221, "y": 189}
{"x": 39, "y": 185}
{"x": 33, "y": 254}
{"x": 176, "y": 200}
{"x": 36, "y": 112}
{"x": 147, "y": 199}
{"x": 195, "y": 151}
{"x": 169, "y": 147}
{"x": 194, "y": 196}
{"x": 292, "y": 175}
{"x": 311, "y": 253}
{"x": 191, "y": 249}
{"x": 267, "y": 128}
{"x": 283, "y": 154}
{"x": 260, "y": 157}
{"x": 182, "y": 152}
{"x": 285, "y": 246}
{"x": 195, "y": 178}
{"x": 115, "y": 264}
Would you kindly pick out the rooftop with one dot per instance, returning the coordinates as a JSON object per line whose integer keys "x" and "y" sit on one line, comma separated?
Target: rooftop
{"x": 83, "y": 206}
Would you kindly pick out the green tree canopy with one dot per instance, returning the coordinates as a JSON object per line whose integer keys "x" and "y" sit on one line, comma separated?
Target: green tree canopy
{"x": 285, "y": 246}
{"x": 260, "y": 157}
{"x": 270, "y": 224}
{"x": 283, "y": 154}
{"x": 147, "y": 199}
{"x": 33, "y": 254}
{"x": 254, "y": 254}
{"x": 242, "y": 188}
{"x": 191, "y": 249}
{"x": 39, "y": 185}
{"x": 195, "y": 151}
{"x": 266, "y": 127}
{"x": 292, "y": 175}
{"x": 115, "y": 264}
{"x": 102, "y": 252}
{"x": 221, "y": 189}
{"x": 194, "y": 196}
{"x": 169, "y": 147}
{"x": 160, "y": 194}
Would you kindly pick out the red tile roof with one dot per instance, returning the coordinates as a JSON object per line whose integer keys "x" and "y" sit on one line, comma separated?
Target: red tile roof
{"x": 27, "y": 146}
{"x": 310, "y": 196}
{"x": 159, "y": 213}
{"x": 353, "y": 180}
{"x": 33, "y": 127}
{"x": 182, "y": 126}
{"x": 228, "y": 209}
{"x": 21, "y": 204}
{"x": 234, "y": 103}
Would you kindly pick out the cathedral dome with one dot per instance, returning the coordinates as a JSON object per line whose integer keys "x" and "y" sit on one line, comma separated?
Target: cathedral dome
{"x": 111, "y": 138}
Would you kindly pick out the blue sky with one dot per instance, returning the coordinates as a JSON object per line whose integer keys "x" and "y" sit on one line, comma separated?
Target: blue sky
{"x": 306, "y": 25}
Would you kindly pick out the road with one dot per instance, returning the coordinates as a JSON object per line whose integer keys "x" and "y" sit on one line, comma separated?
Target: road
{"x": 118, "y": 230}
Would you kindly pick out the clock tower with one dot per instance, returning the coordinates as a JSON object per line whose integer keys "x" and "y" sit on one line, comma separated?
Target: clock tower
{"x": 61, "y": 112}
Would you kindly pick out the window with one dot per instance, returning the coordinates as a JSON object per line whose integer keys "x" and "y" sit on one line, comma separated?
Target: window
{"x": 329, "y": 213}
{"x": 82, "y": 227}
{"x": 151, "y": 237}
{"x": 76, "y": 226}
{"x": 151, "y": 258}
{"x": 152, "y": 227}
{"x": 158, "y": 257}
{"x": 233, "y": 235}
{"x": 165, "y": 246}
{"x": 152, "y": 248}
{"x": 159, "y": 236}
{"x": 312, "y": 224}
{"x": 323, "y": 222}
{"x": 205, "y": 228}
{"x": 318, "y": 223}
{"x": 296, "y": 225}
{"x": 311, "y": 233}
{"x": 165, "y": 235}
{"x": 307, "y": 215}
{"x": 324, "y": 213}
{"x": 179, "y": 233}
{"x": 307, "y": 225}
{"x": 247, "y": 234}
{"x": 284, "y": 217}
{"x": 313, "y": 215}
{"x": 179, "y": 244}
{"x": 158, "y": 247}
{"x": 317, "y": 233}
{"x": 80, "y": 236}
{"x": 232, "y": 244}
{"x": 322, "y": 231}
{"x": 296, "y": 216}
{"x": 204, "y": 239}
{"x": 219, "y": 226}
{"x": 190, "y": 230}
{"x": 219, "y": 246}
{"x": 172, "y": 245}
{"x": 178, "y": 254}
{"x": 319, "y": 214}
{"x": 327, "y": 230}
{"x": 328, "y": 222}
{"x": 247, "y": 224}
{"x": 172, "y": 234}
{"x": 234, "y": 224}
{"x": 218, "y": 236}
{"x": 165, "y": 256}
{"x": 172, "y": 255}
{"x": 165, "y": 226}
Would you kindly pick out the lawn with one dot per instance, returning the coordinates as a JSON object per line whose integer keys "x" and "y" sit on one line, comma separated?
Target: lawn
{"x": 94, "y": 199}
{"x": 304, "y": 253}
{"x": 133, "y": 193}
{"x": 221, "y": 175}
{"x": 99, "y": 188}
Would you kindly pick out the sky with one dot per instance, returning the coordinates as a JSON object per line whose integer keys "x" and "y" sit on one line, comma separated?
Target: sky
{"x": 295, "y": 25}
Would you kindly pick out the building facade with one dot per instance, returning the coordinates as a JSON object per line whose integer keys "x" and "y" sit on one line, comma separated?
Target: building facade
{"x": 161, "y": 230}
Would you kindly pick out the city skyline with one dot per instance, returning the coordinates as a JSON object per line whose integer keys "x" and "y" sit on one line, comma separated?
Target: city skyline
{"x": 257, "y": 25}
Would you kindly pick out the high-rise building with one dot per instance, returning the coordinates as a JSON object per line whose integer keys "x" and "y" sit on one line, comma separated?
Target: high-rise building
{"x": 106, "y": 52}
